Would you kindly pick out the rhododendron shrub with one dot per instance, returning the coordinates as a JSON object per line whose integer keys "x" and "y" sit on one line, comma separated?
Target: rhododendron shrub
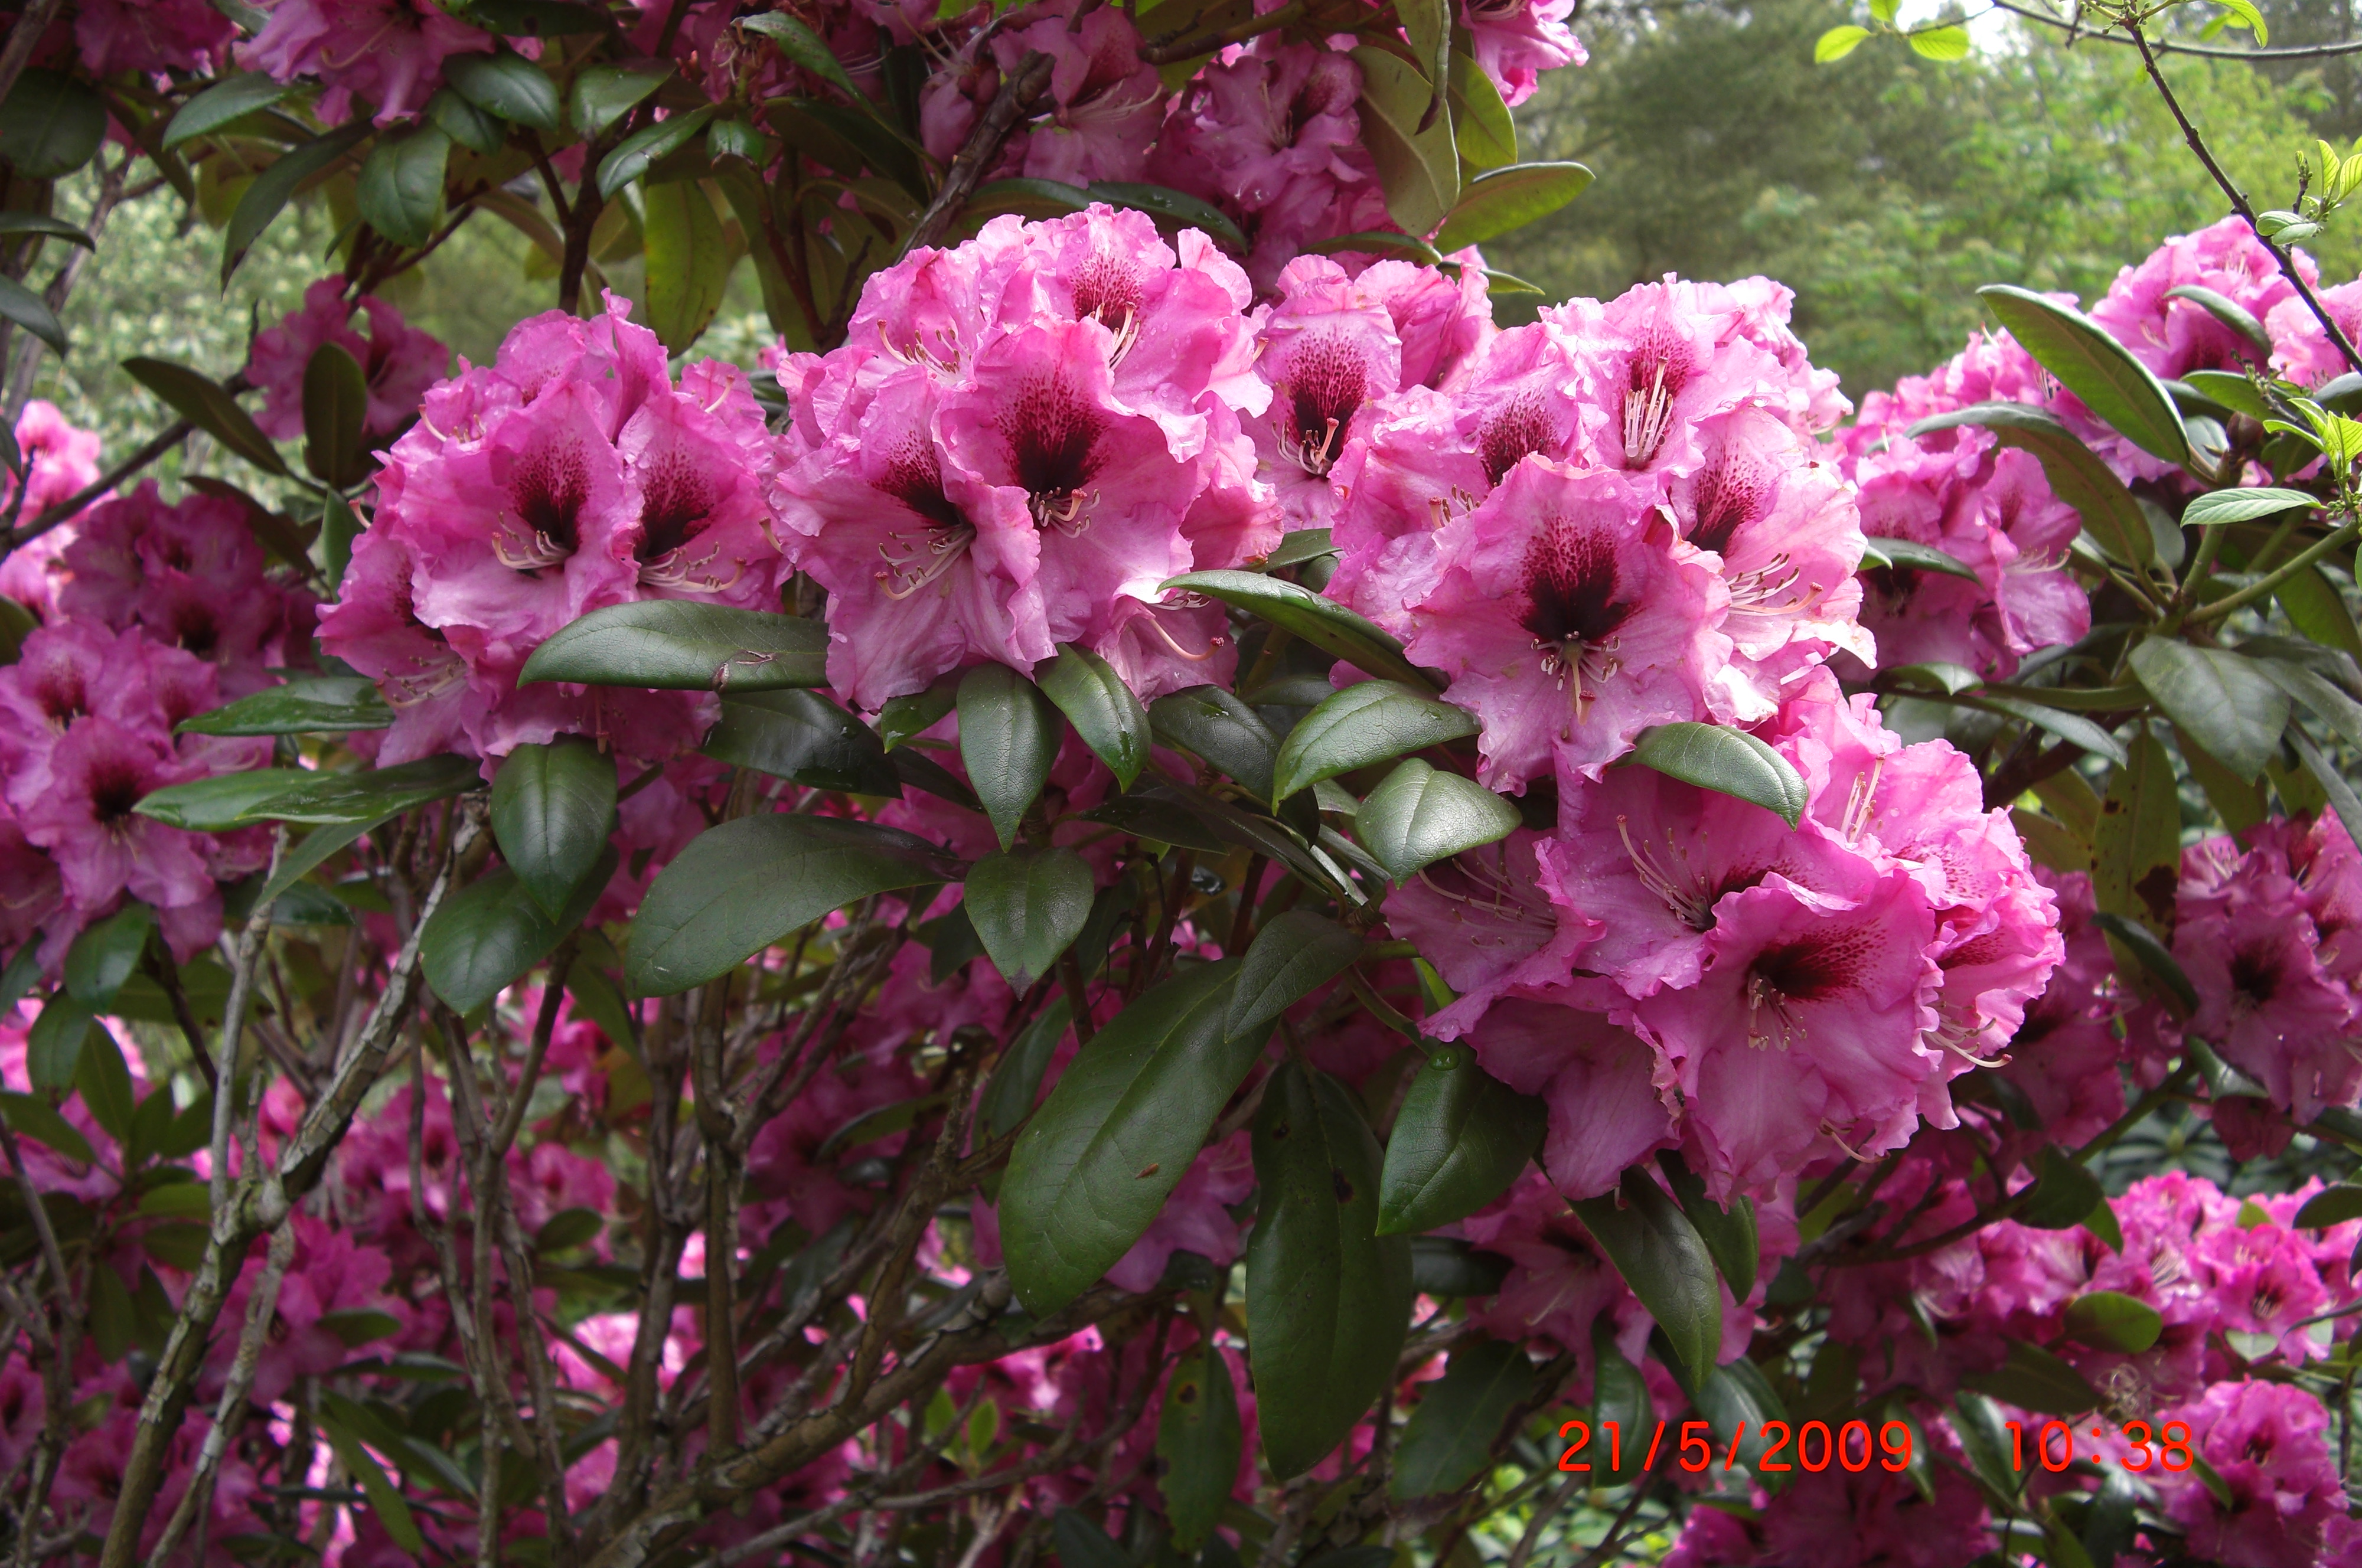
{"x": 1160, "y": 895}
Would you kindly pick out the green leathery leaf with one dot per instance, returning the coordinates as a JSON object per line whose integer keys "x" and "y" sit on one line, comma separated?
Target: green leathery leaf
{"x": 1418, "y": 815}
{"x": 805, "y": 48}
{"x": 677, "y": 644}
{"x": 1448, "y": 1441}
{"x": 106, "y": 953}
{"x": 2244, "y": 505}
{"x": 601, "y": 94}
{"x": 1730, "y": 762}
{"x": 2112, "y": 1321}
{"x": 739, "y": 888}
{"x": 1009, "y": 736}
{"x": 212, "y": 805}
{"x": 1173, "y": 209}
{"x": 1294, "y": 955}
{"x": 1102, "y": 709}
{"x": 1480, "y": 122}
{"x": 269, "y": 193}
{"x": 799, "y": 735}
{"x": 2228, "y": 706}
{"x": 401, "y": 187}
{"x": 2227, "y": 311}
{"x": 1459, "y": 1141}
{"x": 208, "y": 406}
{"x": 2063, "y": 1193}
{"x": 369, "y": 796}
{"x": 335, "y": 409}
{"x": 1094, "y": 1166}
{"x": 1325, "y": 623}
{"x": 104, "y": 1079}
{"x": 1009, "y": 1098}
{"x": 1880, "y": 551}
{"x": 231, "y": 98}
{"x": 1419, "y": 169}
{"x": 643, "y": 148}
{"x": 32, "y": 1117}
{"x": 51, "y": 123}
{"x": 2152, "y": 955}
{"x": 2318, "y": 611}
{"x": 486, "y": 935}
{"x": 2034, "y": 1379}
{"x": 53, "y": 1045}
{"x": 2330, "y": 1206}
{"x": 1665, "y": 1260}
{"x": 31, "y": 311}
{"x": 2092, "y": 365}
{"x": 1223, "y": 729}
{"x": 1509, "y": 197}
{"x": 1729, "y": 1233}
{"x": 507, "y": 84}
{"x": 2341, "y": 795}
{"x": 315, "y": 705}
{"x": 688, "y": 260}
{"x": 2136, "y": 847}
{"x": 553, "y": 811}
{"x": 1198, "y": 1440}
{"x": 385, "y": 1499}
{"x": 479, "y": 132}
{"x": 2069, "y": 727}
{"x": 1368, "y": 722}
{"x": 905, "y": 718}
{"x": 1619, "y": 1394}
{"x": 2075, "y": 472}
{"x": 1328, "y": 1299}
{"x": 1028, "y": 907}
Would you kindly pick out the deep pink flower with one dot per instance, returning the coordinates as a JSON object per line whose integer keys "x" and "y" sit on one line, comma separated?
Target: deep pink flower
{"x": 1516, "y": 40}
{"x": 2175, "y": 337}
{"x": 2300, "y": 349}
{"x": 1599, "y": 1080}
{"x": 388, "y": 54}
{"x": 1569, "y": 617}
{"x": 399, "y": 360}
{"x": 151, "y": 36}
{"x": 2268, "y": 1441}
{"x": 1105, "y": 101}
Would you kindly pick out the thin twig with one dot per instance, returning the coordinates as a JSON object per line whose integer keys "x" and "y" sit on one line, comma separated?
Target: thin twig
{"x": 1018, "y": 91}
{"x": 2249, "y": 56}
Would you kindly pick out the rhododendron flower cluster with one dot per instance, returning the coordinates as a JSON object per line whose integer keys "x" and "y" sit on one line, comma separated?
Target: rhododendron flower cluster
{"x": 398, "y": 361}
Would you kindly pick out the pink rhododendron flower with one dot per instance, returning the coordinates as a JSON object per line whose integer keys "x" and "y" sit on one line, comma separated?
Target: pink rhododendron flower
{"x": 398, "y": 361}
{"x": 151, "y": 36}
{"x": 1021, "y": 441}
{"x": 1105, "y": 100}
{"x": 1516, "y": 40}
{"x": 569, "y": 474}
{"x": 2174, "y": 336}
{"x": 2269, "y": 1443}
{"x": 387, "y": 54}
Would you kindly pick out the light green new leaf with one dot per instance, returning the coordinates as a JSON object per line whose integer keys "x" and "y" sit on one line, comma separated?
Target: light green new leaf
{"x": 1507, "y": 198}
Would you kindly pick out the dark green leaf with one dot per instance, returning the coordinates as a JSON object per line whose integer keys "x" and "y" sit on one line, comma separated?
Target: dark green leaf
{"x": 1325, "y": 623}
{"x": 567, "y": 1229}
{"x": 464, "y": 123}
{"x": 538, "y": 19}
{"x": 50, "y": 124}
{"x": 2072, "y": 728}
{"x": 31, "y": 311}
{"x": 53, "y": 1045}
{"x": 340, "y": 526}
{"x": 32, "y": 1117}
{"x": 2153, "y": 955}
{"x": 505, "y": 83}
{"x": 1293, "y": 955}
{"x": 1093, "y": 1169}
{"x": 2227, "y": 311}
{"x": 2342, "y": 799}
{"x": 2330, "y": 1206}
{"x": 270, "y": 192}
{"x": 2228, "y": 389}
{"x": 676, "y": 645}
{"x": 1511, "y": 198}
{"x": 104, "y": 1080}
{"x": 553, "y": 810}
{"x": 1440, "y": 1265}
{"x": 906, "y": 718}
{"x": 336, "y": 408}
{"x": 1448, "y": 1441}
{"x": 1737, "y": 1399}
{"x": 1222, "y": 728}
{"x": 2034, "y": 1379}
{"x": 360, "y": 1326}
{"x": 104, "y": 956}
{"x": 1460, "y": 1138}
{"x": 2137, "y": 846}
{"x": 1009, "y": 1098}
{"x": 1379, "y": 242}
{"x": 385, "y": 1500}
{"x": 2114, "y": 385}
{"x": 802, "y": 735}
{"x": 1173, "y": 208}
{"x": 1418, "y": 815}
{"x": 687, "y": 257}
{"x": 24, "y": 968}
{"x": 2076, "y": 474}
{"x": 917, "y": 770}
{"x": 230, "y": 99}
{"x": 1028, "y": 907}
{"x": 804, "y": 48}
{"x": 401, "y": 188}
{"x": 2318, "y": 611}
{"x": 1102, "y": 709}
{"x": 2228, "y": 705}
{"x": 2062, "y": 1194}
{"x": 1729, "y": 1233}
{"x": 2222, "y": 507}
{"x": 1082, "y": 1544}
{"x": 1301, "y": 545}
{"x": 2111, "y": 1321}
{"x": 603, "y": 94}
{"x": 741, "y": 886}
{"x": 369, "y": 796}
{"x": 1880, "y": 551}
{"x": 208, "y": 404}
{"x": 486, "y": 935}
{"x": 1364, "y": 723}
{"x": 1619, "y": 1394}
{"x": 1427, "y": 24}
{"x": 1664, "y": 1259}
{"x": 643, "y": 149}
{"x": 1730, "y": 762}
{"x": 1328, "y": 1298}
{"x": 1008, "y": 737}
{"x": 1199, "y": 1441}
{"x": 1419, "y": 170}
{"x": 335, "y": 703}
